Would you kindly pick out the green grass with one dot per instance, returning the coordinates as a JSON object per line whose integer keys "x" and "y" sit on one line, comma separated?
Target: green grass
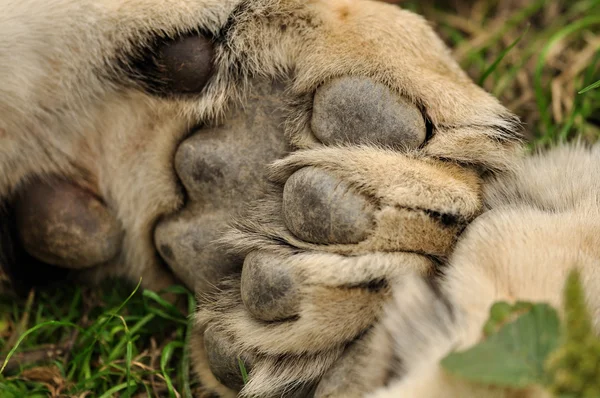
{"x": 112, "y": 341}
{"x": 537, "y": 56}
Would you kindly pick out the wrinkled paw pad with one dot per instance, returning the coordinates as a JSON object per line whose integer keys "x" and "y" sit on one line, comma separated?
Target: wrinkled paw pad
{"x": 354, "y": 110}
{"x": 279, "y": 287}
{"x": 269, "y": 288}
{"x": 64, "y": 225}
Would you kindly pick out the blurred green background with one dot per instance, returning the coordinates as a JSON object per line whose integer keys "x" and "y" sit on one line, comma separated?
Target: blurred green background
{"x": 534, "y": 55}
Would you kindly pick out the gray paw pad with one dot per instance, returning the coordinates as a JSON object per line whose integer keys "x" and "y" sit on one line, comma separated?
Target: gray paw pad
{"x": 223, "y": 169}
{"x": 356, "y": 110}
{"x": 320, "y": 208}
{"x": 64, "y": 225}
{"x": 268, "y": 290}
{"x": 223, "y": 360}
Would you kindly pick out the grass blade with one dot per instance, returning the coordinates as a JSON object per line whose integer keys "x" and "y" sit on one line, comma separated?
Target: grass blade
{"x": 590, "y": 87}
{"x": 165, "y": 357}
{"x": 112, "y": 392}
{"x": 30, "y": 331}
{"x": 500, "y": 57}
{"x": 243, "y": 370}
{"x": 185, "y": 361}
{"x": 148, "y": 294}
{"x": 128, "y": 360}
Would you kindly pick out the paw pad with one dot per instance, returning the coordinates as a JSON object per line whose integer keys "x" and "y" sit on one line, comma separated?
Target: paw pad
{"x": 64, "y": 225}
{"x": 356, "y": 110}
{"x": 268, "y": 291}
{"x": 320, "y": 208}
{"x": 223, "y": 359}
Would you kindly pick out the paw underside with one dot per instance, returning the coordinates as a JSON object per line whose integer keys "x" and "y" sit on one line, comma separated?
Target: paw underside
{"x": 305, "y": 270}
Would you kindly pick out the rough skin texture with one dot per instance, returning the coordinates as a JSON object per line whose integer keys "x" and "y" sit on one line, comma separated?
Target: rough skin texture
{"x": 290, "y": 161}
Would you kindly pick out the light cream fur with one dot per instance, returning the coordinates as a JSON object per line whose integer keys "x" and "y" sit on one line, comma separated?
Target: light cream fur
{"x": 65, "y": 110}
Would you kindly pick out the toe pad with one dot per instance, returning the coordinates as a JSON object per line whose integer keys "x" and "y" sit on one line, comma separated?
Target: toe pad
{"x": 360, "y": 111}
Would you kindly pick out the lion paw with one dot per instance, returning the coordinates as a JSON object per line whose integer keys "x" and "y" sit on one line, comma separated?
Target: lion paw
{"x": 309, "y": 264}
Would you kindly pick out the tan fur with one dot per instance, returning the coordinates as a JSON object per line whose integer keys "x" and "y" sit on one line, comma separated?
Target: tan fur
{"x": 68, "y": 108}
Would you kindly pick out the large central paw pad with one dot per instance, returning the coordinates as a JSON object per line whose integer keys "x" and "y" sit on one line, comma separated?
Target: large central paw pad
{"x": 222, "y": 168}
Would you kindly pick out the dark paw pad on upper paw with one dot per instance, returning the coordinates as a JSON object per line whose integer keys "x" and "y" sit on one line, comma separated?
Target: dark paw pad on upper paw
{"x": 320, "y": 208}
{"x": 356, "y": 110}
{"x": 180, "y": 66}
{"x": 64, "y": 225}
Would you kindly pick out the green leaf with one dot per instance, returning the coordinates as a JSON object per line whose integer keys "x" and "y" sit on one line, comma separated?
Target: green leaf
{"x": 500, "y": 57}
{"x": 590, "y": 87}
{"x": 513, "y": 357}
